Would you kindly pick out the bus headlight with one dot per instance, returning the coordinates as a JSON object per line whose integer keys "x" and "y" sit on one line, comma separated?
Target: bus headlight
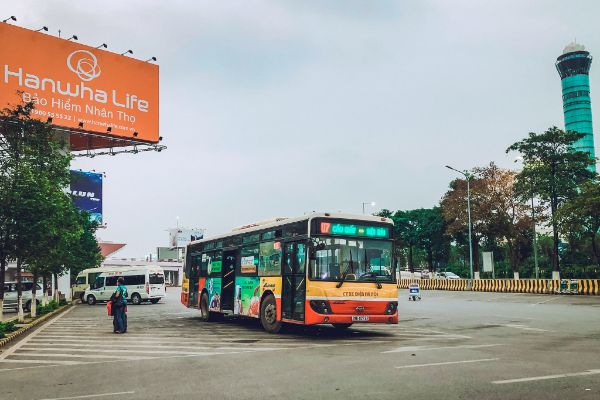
{"x": 391, "y": 307}
{"x": 320, "y": 306}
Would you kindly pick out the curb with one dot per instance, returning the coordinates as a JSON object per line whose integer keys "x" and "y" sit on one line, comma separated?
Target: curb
{"x": 13, "y": 335}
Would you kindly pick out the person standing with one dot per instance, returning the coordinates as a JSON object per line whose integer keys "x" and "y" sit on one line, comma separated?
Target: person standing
{"x": 120, "y": 307}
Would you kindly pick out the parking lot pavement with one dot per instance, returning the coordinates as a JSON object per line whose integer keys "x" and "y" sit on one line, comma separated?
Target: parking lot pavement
{"x": 449, "y": 345}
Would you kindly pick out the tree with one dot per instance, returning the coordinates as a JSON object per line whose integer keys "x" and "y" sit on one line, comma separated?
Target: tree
{"x": 431, "y": 237}
{"x": 552, "y": 172}
{"x": 406, "y": 232}
{"x": 508, "y": 215}
{"x": 454, "y": 209}
{"x": 39, "y": 226}
{"x": 581, "y": 215}
{"x": 31, "y": 165}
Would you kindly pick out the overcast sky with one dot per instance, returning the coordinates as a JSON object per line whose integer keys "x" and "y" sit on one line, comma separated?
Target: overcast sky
{"x": 284, "y": 107}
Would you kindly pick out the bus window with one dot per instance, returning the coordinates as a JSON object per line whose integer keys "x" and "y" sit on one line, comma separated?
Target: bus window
{"x": 213, "y": 262}
{"x": 249, "y": 260}
{"x": 270, "y": 259}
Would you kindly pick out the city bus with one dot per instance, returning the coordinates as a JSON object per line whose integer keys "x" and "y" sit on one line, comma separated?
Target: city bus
{"x": 320, "y": 268}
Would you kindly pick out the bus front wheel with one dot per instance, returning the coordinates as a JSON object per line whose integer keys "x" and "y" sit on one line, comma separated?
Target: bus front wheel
{"x": 268, "y": 315}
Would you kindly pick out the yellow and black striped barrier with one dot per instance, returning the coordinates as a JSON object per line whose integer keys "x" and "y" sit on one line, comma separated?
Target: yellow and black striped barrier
{"x": 589, "y": 286}
{"x": 540, "y": 286}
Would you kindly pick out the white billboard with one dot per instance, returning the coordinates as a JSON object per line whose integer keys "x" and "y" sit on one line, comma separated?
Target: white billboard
{"x": 180, "y": 237}
{"x": 488, "y": 261}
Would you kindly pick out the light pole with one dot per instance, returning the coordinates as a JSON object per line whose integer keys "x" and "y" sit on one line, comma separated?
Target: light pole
{"x": 372, "y": 203}
{"x": 468, "y": 177}
{"x": 535, "y": 254}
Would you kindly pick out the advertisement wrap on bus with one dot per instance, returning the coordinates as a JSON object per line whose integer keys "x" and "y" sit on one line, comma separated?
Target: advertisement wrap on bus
{"x": 318, "y": 269}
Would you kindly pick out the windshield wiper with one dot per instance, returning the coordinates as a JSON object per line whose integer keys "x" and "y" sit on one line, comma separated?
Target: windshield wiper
{"x": 345, "y": 273}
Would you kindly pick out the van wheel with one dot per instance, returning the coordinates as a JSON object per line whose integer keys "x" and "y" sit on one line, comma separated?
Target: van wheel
{"x": 91, "y": 299}
{"x": 136, "y": 299}
{"x": 154, "y": 301}
{"x": 268, "y": 315}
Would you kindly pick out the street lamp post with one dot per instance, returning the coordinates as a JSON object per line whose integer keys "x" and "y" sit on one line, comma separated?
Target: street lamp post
{"x": 468, "y": 177}
{"x": 535, "y": 254}
{"x": 372, "y": 203}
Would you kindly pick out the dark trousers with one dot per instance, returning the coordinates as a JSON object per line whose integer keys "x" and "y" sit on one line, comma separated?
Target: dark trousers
{"x": 119, "y": 319}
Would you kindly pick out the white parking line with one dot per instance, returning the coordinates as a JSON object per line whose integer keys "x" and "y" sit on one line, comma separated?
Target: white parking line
{"x": 525, "y": 328}
{"x": 545, "y": 377}
{"x": 89, "y": 396}
{"x": 546, "y": 301}
{"x": 447, "y": 363}
{"x": 17, "y": 346}
{"x": 423, "y": 348}
{"x": 120, "y": 351}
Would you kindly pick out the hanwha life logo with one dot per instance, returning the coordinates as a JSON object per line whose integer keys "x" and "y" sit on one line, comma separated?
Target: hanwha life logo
{"x": 84, "y": 64}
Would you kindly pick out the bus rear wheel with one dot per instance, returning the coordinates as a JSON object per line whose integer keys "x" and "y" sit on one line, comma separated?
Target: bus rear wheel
{"x": 268, "y": 315}
{"x": 206, "y": 314}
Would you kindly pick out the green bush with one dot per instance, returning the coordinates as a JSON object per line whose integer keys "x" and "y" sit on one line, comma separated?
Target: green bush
{"x": 62, "y": 302}
{"x": 6, "y": 327}
{"x": 51, "y": 306}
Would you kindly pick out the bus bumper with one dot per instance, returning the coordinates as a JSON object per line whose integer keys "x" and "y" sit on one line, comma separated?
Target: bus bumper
{"x": 312, "y": 317}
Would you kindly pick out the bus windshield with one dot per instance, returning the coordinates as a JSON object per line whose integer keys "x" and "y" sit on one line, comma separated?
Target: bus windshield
{"x": 353, "y": 260}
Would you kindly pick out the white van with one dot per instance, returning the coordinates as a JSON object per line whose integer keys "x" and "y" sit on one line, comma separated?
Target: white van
{"x": 144, "y": 283}
{"x": 85, "y": 278}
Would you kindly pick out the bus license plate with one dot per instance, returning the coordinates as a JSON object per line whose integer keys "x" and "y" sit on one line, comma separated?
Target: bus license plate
{"x": 360, "y": 318}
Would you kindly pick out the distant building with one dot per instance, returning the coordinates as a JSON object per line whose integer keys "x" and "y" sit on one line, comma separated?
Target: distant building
{"x": 573, "y": 66}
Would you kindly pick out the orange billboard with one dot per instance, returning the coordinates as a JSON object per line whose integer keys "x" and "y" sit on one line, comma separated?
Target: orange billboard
{"x": 79, "y": 87}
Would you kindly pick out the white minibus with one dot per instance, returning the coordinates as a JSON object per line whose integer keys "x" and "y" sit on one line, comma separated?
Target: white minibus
{"x": 144, "y": 283}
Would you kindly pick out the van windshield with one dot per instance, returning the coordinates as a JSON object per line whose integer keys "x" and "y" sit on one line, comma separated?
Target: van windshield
{"x": 157, "y": 279}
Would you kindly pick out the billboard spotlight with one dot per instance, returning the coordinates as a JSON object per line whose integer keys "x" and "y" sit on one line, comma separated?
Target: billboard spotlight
{"x": 74, "y": 37}
{"x": 12, "y": 17}
{"x": 127, "y": 52}
{"x": 151, "y": 59}
{"x": 43, "y": 28}
{"x": 104, "y": 45}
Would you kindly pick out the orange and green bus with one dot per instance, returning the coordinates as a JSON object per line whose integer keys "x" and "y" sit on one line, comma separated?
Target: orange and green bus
{"x": 320, "y": 268}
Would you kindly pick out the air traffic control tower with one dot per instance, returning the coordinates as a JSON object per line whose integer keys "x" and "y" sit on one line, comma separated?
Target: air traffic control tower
{"x": 573, "y": 66}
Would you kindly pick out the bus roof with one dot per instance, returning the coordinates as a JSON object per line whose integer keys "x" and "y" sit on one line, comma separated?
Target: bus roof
{"x": 284, "y": 221}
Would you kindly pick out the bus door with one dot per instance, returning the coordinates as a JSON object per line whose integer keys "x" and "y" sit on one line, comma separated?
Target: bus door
{"x": 294, "y": 281}
{"x": 228, "y": 283}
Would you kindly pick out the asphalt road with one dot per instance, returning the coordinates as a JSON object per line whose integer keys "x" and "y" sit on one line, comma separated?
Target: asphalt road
{"x": 450, "y": 345}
